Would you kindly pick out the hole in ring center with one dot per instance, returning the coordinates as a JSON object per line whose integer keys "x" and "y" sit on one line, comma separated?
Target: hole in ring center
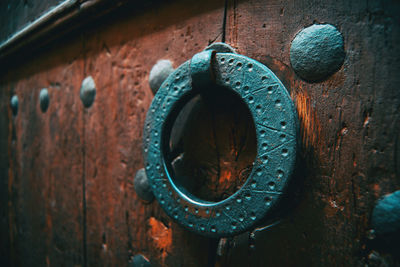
{"x": 211, "y": 145}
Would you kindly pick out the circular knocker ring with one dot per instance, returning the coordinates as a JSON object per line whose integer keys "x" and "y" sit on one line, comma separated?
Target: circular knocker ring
{"x": 275, "y": 122}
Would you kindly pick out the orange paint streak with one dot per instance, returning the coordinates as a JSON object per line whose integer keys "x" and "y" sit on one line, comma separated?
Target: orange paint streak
{"x": 310, "y": 127}
{"x": 162, "y": 237}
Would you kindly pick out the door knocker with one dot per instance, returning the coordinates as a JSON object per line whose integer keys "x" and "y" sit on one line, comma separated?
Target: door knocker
{"x": 275, "y": 121}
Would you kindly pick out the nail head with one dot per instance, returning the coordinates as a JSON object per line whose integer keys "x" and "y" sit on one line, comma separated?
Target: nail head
{"x": 14, "y": 104}
{"x": 317, "y": 52}
{"x": 88, "y": 91}
{"x": 44, "y": 99}
{"x": 160, "y": 71}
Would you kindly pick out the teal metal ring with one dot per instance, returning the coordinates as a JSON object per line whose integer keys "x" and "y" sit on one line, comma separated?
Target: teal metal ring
{"x": 275, "y": 120}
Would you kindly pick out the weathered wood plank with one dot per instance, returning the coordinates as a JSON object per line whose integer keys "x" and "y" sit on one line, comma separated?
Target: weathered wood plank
{"x": 119, "y": 58}
{"x": 45, "y": 178}
{"x": 349, "y": 125}
{"x": 5, "y": 140}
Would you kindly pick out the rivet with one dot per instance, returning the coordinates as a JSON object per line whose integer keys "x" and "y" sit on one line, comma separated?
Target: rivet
{"x": 88, "y": 91}
{"x": 142, "y": 186}
{"x": 44, "y": 99}
{"x": 160, "y": 71}
{"x": 139, "y": 261}
{"x": 14, "y": 104}
{"x": 317, "y": 52}
{"x": 386, "y": 218}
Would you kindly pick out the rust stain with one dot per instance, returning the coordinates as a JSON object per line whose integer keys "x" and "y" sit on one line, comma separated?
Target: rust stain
{"x": 310, "y": 128}
{"x": 161, "y": 236}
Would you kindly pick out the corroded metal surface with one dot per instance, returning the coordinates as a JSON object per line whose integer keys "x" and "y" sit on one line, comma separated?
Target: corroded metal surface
{"x": 276, "y": 130}
{"x": 317, "y": 52}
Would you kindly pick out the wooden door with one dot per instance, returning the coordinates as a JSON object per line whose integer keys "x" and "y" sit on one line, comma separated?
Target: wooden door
{"x": 67, "y": 193}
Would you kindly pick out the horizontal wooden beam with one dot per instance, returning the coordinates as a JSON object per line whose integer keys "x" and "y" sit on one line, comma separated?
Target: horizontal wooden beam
{"x": 52, "y": 20}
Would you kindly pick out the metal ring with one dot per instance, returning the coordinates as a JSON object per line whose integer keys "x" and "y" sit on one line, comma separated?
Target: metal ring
{"x": 275, "y": 121}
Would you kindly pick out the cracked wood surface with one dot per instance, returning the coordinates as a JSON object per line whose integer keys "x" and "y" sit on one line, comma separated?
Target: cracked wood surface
{"x": 67, "y": 194}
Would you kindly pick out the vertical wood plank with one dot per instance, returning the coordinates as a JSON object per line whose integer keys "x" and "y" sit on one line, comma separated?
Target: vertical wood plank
{"x": 45, "y": 181}
{"x": 5, "y": 112}
{"x": 349, "y": 125}
{"x": 119, "y": 58}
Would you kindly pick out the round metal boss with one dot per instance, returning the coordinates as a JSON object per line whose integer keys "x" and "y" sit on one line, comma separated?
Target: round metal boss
{"x": 275, "y": 121}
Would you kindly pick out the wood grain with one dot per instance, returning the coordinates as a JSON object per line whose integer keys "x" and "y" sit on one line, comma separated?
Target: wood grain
{"x": 349, "y": 126}
{"x": 119, "y": 58}
{"x": 45, "y": 164}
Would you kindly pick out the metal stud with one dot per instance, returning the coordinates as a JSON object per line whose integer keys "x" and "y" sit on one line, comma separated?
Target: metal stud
{"x": 140, "y": 261}
{"x": 88, "y": 91}
{"x": 44, "y": 99}
{"x": 160, "y": 71}
{"x": 386, "y": 219}
{"x": 317, "y": 52}
{"x": 142, "y": 186}
{"x": 14, "y": 104}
